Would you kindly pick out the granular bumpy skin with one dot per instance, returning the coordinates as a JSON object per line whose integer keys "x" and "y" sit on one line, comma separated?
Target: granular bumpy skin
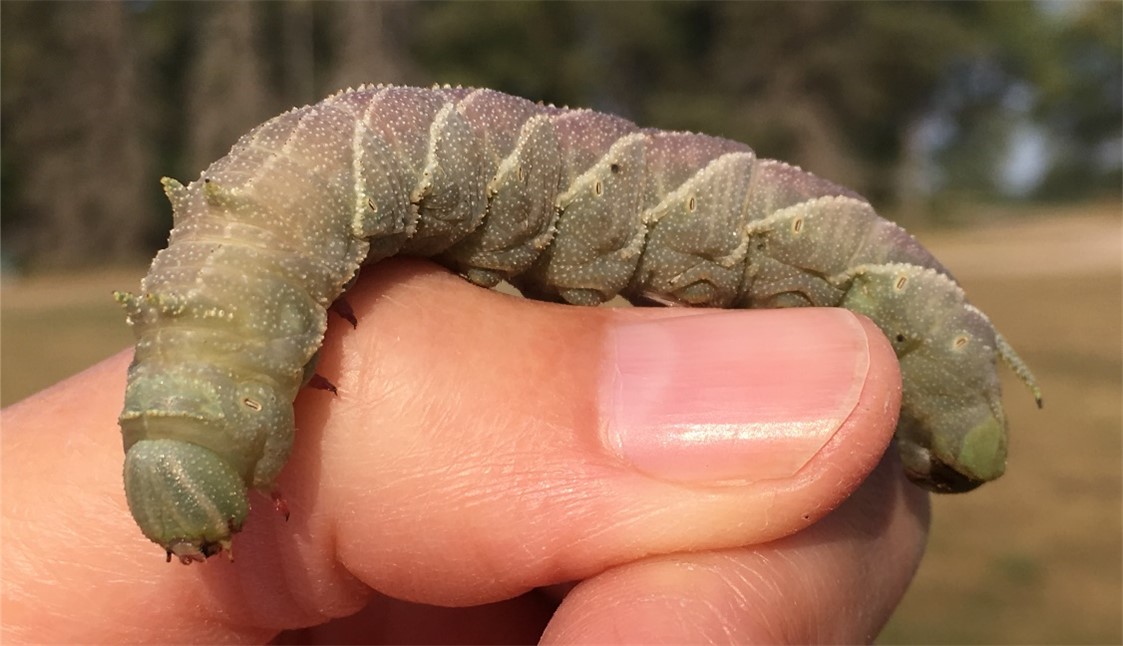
{"x": 568, "y": 205}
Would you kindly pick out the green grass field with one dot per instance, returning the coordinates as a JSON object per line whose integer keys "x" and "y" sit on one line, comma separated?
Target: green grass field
{"x": 1036, "y": 557}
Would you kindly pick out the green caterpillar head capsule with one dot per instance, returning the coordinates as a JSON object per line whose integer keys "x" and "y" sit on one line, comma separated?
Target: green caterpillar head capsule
{"x": 196, "y": 439}
{"x": 952, "y": 432}
{"x": 184, "y": 497}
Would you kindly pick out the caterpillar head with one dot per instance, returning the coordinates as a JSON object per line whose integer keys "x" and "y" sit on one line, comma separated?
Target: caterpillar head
{"x": 184, "y": 497}
{"x": 195, "y": 440}
{"x": 952, "y": 431}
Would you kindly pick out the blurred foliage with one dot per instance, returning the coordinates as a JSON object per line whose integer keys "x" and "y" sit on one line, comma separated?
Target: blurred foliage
{"x": 912, "y": 104}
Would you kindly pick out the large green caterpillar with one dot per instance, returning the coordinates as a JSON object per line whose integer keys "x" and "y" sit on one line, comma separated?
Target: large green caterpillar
{"x": 569, "y": 205}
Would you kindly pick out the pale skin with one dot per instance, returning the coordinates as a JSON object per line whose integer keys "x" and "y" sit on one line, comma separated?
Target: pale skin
{"x": 455, "y": 489}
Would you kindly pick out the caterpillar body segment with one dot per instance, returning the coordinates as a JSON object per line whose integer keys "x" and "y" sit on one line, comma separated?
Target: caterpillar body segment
{"x": 568, "y": 205}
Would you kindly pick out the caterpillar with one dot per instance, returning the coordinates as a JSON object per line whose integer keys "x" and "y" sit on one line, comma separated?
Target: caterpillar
{"x": 568, "y": 205}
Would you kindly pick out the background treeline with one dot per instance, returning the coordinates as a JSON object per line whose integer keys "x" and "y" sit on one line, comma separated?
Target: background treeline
{"x": 916, "y": 105}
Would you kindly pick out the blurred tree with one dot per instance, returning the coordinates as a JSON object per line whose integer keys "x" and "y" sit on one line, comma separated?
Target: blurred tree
{"x": 71, "y": 142}
{"x": 1043, "y": 78}
{"x": 835, "y": 87}
{"x": 898, "y": 100}
{"x": 366, "y": 39}
{"x": 517, "y": 47}
{"x": 1081, "y": 100}
{"x": 228, "y": 87}
{"x": 297, "y": 52}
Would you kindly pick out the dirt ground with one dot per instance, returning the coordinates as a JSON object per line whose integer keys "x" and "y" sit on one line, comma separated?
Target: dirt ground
{"x": 1036, "y": 557}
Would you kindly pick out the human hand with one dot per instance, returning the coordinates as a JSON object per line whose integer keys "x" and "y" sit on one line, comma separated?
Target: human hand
{"x": 483, "y": 450}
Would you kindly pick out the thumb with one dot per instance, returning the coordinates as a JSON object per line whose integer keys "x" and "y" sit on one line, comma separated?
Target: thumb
{"x": 482, "y": 445}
